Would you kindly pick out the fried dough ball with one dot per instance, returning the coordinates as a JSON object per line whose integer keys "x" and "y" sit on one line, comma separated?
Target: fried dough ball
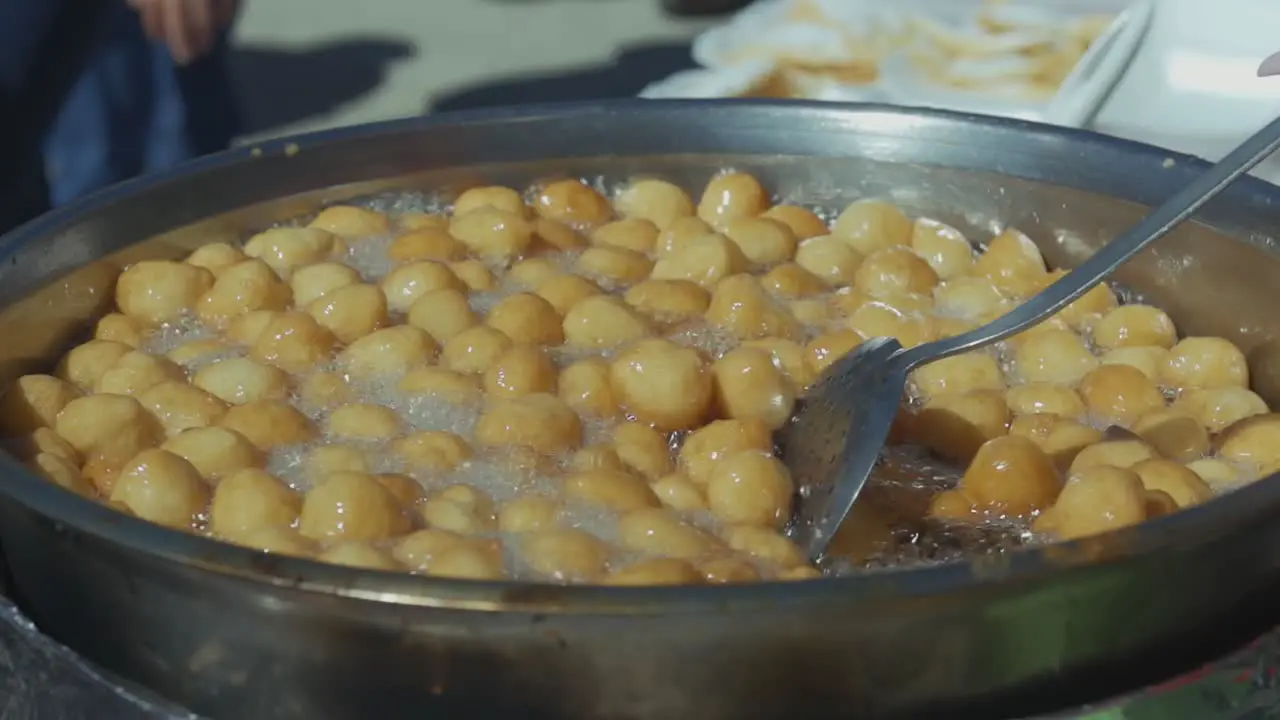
{"x": 527, "y": 318}
{"x": 351, "y": 506}
{"x": 460, "y": 509}
{"x": 451, "y": 386}
{"x": 490, "y": 196}
{"x": 34, "y": 401}
{"x": 668, "y": 299}
{"x": 764, "y": 242}
{"x": 404, "y": 285}
{"x": 573, "y": 203}
{"x": 750, "y": 488}
{"x": 244, "y": 287}
{"x": 1054, "y": 356}
{"x": 1135, "y": 326}
{"x": 430, "y": 243}
{"x": 520, "y": 370}
{"x": 894, "y": 271}
{"x": 179, "y": 406}
{"x": 473, "y": 350}
{"x": 157, "y": 291}
{"x": 1013, "y": 263}
{"x": 731, "y": 196}
{"x": 493, "y": 233}
{"x": 565, "y": 555}
{"x": 955, "y": 425}
{"x": 1173, "y": 434}
{"x": 269, "y": 424}
{"x": 960, "y": 373}
{"x": 1117, "y": 453}
{"x": 657, "y": 201}
{"x": 663, "y": 384}
{"x": 1183, "y": 485}
{"x": 829, "y": 258}
{"x": 585, "y": 387}
{"x": 1205, "y": 363}
{"x": 1094, "y": 501}
{"x": 351, "y": 222}
{"x": 642, "y": 450}
{"x": 285, "y": 249}
{"x": 215, "y": 452}
{"x": 159, "y": 486}
{"x": 442, "y": 313}
{"x": 612, "y": 490}
{"x": 705, "y": 260}
{"x": 803, "y": 222}
{"x": 565, "y": 291}
{"x": 294, "y": 342}
{"x": 351, "y": 312}
{"x": 747, "y": 385}
{"x": 62, "y": 472}
{"x": 135, "y": 372}
{"x": 110, "y": 428}
{"x": 706, "y": 447}
{"x": 1253, "y": 442}
{"x": 1219, "y": 408}
{"x": 388, "y": 352}
{"x": 120, "y": 328}
{"x": 250, "y": 499}
{"x": 1045, "y": 398}
{"x": 538, "y": 421}
{"x": 602, "y": 322}
{"x": 1119, "y": 394}
{"x": 1011, "y": 476}
{"x": 527, "y": 514}
{"x": 943, "y": 247}
{"x": 215, "y": 257}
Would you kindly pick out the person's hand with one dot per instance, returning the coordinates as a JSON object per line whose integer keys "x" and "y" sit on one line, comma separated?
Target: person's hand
{"x": 188, "y": 27}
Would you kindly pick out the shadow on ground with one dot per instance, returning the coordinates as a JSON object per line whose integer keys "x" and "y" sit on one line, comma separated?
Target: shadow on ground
{"x": 278, "y": 86}
{"x": 625, "y": 76}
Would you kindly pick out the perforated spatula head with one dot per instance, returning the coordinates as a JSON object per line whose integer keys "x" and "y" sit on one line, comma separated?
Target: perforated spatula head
{"x": 836, "y": 437}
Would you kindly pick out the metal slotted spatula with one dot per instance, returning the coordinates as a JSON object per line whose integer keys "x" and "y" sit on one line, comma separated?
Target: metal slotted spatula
{"x": 835, "y": 438}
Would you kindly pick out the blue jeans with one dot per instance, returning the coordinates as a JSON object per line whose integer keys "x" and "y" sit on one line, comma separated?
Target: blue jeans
{"x": 134, "y": 111}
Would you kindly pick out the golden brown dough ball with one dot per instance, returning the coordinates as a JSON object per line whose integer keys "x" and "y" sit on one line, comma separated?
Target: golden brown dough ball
{"x": 1184, "y": 486}
{"x": 668, "y": 300}
{"x": 657, "y": 531}
{"x": 294, "y": 342}
{"x": 474, "y": 274}
{"x": 1044, "y": 398}
{"x": 597, "y": 457}
{"x": 608, "y": 489}
{"x": 680, "y": 233}
{"x": 44, "y": 440}
{"x": 388, "y": 352}
{"x": 789, "y": 280}
{"x": 241, "y": 380}
{"x": 1117, "y": 453}
{"x": 707, "y": 446}
{"x": 1173, "y": 434}
{"x": 1086, "y": 311}
{"x": 1095, "y": 501}
{"x": 657, "y": 201}
{"x": 1218, "y": 408}
{"x": 740, "y": 305}
{"x": 878, "y": 319}
{"x": 426, "y": 244}
{"x": 750, "y": 488}
{"x": 136, "y": 371}
{"x": 655, "y": 572}
{"x": 721, "y": 571}
{"x": 634, "y": 234}
{"x": 565, "y": 291}
{"x": 764, "y": 545}
{"x": 731, "y": 196}
{"x": 492, "y": 233}
{"x": 404, "y": 285}
{"x": 662, "y": 384}
{"x": 243, "y": 287}
{"x": 960, "y": 373}
{"x": 269, "y": 424}
{"x": 553, "y": 235}
{"x": 955, "y": 425}
{"x": 894, "y": 271}
{"x": 829, "y": 258}
{"x": 573, "y": 203}
{"x": 1011, "y": 476}
{"x": 248, "y": 328}
{"x": 1148, "y": 359}
{"x": 952, "y": 505}
{"x": 34, "y": 401}
{"x": 613, "y": 266}
{"x": 527, "y": 514}
{"x": 945, "y": 248}
{"x": 539, "y": 421}
{"x": 521, "y": 370}
{"x": 85, "y": 364}
{"x": 278, "y": 541}
{"x": 1205, "y": 362}
{"x": 1054, "y": 356}
{"x": 432, "y": 450}
{"x": 350, "y": 222}
{"x": 422, "y": 221}
{"x": 1013, "y": 263}
{"x": 872, "y": 225}
{"x": 251, "y": 499}
{"x": 764, "y": 242}
{"x": 970, "y": 297}
{"x": 328, "y": 459}
{"x": 706, "y": 260}
{"x": 284, "y": 249}
{"x": 111, "y": 427}
{"x": 601, "y": 322}
{"x": 747, "y": 385}
{"x": 312, "y": 281}
{"x": 215, "y": 257}
{"x": 473, "y": 350}
{"x": 351, "y": 312}
{"x": 803, "y": 223}
{"x": 215, "y": 452}
{"x": 419, "y": 550}
{"x": 363, "y": 421}
{"x": 120, "y": 328}
{"x": 1253, "y": 442}
{"x": 443, "y": 313}
{"x": 197, "y": 352}
{"x": 643, "y": 450}
{"x": 677, "y": 492}
{"x": 61, "y": 472}
{"x": 351, "y": 506}
{"x": 1061, "y": 438}
{"x": 527, "y": 318}
{"x": 813, "y": 312}
{"x": 823, "y": 351}
{"x": 1134, "y": 326}
{"x": 532, "y": 272}
{"x": 564, "y": 555}
{"x": 490, "y": 196}
{"x": 359, "y": 555}
{"x": 461, "y": 509}
{"x": 179, "y": 406}
{"x": 1217, "y": 473}
{"x": 448, "y": 385}
{"x": 157, "y": 291}
{"x": 585, "y": 387}
{"x": 161, "y": 487}
{"x": 324, "y": 390}
{"x": 1119, "y": 394}
{"x": 471, "y": 561}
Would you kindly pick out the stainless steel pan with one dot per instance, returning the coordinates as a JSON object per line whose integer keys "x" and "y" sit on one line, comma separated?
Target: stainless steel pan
{"x": 234, "y": 634}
